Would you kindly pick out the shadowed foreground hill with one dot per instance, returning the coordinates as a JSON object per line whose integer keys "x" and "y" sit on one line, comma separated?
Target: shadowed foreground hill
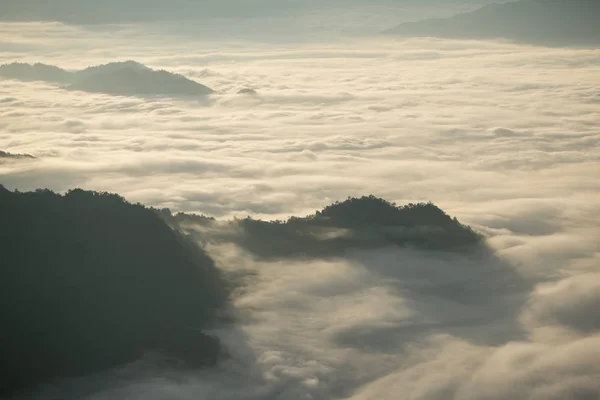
{"x": 127, "y": 78}
{"x": 357, "y": 223}
{"x": 541, "y": 22}
{"x": 89, "y": 281}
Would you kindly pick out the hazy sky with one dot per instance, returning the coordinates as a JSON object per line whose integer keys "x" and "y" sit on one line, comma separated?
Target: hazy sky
{"x": 266, "y": 19}
{"x": 504, "y": 137}
{"x": 200, "y": 8}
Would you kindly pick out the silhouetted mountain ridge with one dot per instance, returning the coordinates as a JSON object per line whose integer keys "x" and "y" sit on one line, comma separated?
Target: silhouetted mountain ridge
{"x": 374, "y": 211}
{"x": 128, "y": 78}
{"x": 356, "y": 223}
{"x": 111, "y": 67}
{"x": 544, "y": 22}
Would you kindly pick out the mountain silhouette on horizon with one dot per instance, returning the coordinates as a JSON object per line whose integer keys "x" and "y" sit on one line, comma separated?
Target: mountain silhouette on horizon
{"x": 537, "y": 22}
{"x": 128, "y": 78}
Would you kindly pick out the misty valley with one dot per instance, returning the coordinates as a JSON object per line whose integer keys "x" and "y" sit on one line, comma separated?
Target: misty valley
{"x": 108, "y": 281}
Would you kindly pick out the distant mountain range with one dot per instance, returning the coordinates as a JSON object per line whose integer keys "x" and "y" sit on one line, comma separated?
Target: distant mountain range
{"x": 127, "y": 78}
{"x": 541, "y": 22}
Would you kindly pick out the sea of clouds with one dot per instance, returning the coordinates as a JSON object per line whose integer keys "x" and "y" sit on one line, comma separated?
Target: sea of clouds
{"x": 505, "y": 137}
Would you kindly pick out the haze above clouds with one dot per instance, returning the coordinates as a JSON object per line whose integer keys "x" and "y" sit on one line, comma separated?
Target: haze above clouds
{"x": 268, "y": 20}
{"x": 505, "y": 137}
{"x": 113, "y": 11}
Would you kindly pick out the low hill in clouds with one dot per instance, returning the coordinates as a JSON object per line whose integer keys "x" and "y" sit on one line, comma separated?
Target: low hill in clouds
{"x": 132, "y": 78}
{"x": 89, "y": 281}
{"x": 127, "y": 78}
{"x": 357, "y": 223}
{"x": 14, "y": 156}
{"x": 542, "y": 22}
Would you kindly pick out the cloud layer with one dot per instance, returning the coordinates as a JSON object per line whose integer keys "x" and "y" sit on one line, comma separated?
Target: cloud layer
{"x": 504, "y": 137}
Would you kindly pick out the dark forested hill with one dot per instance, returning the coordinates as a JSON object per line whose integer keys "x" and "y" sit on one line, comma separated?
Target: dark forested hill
{"x": 89, "y": 281}
{"x": 357, "y": 223}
